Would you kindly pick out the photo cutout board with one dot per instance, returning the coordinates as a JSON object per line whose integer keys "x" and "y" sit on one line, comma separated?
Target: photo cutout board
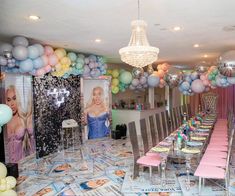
{"x": 19, "y": 139}
{"x": 97, "y": 104}
{"x": 56, "y": 99}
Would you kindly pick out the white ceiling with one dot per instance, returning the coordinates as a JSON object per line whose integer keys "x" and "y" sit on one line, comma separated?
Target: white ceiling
{"x": 75, "y": 24}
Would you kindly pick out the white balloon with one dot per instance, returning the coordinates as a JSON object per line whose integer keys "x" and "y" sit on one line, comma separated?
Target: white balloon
{"x": 20, "y": 41}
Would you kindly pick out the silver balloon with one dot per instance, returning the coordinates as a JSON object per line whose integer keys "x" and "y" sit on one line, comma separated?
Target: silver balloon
{"x": 137, "y": 72}
{"x": 201, "y": 68}
{"x": 227, "y": 64}
{"x": 150, "y": 69}
{"x": 173, "y": 77}
{"x": 7, "y": 54}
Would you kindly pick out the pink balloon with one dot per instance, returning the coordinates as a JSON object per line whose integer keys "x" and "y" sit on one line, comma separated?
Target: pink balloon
{"x": 205, "y": 82}
{"x": 52, "y": 59}
{"x": 164, "y": 66}
{"x": 48, "y": 50}
{"x": 47, "y": 68}
{"x": 162, "y": 82}
{"x": 197, "y": 86}
{"x": 203, "y": 77}
{"x": 40, "y": 72}
{"x": 45, "y": 60}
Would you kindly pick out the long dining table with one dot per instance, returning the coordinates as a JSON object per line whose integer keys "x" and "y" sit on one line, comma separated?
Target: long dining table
{"x": 193, "y": 147}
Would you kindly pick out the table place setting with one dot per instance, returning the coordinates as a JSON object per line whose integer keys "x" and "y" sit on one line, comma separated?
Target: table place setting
{"x": 160, "y": 149}
{"x": 194, "y": 143}
{"x": 196, "y": 138}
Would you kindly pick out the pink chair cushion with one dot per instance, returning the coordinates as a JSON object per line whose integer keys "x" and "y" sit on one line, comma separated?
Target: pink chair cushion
{"x": 218, "y": 148}
{"x": 215, "y": 154}
{"x": 154, "y": 154}
{"x": 207, "y": 171}
{"x": 214, "y": 144}
{"x": 213, "y": 161}
{"x": 149, "y": 161}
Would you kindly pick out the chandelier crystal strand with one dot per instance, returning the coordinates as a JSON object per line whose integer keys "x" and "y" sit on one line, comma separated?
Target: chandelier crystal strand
{"x": 139, "y": 53}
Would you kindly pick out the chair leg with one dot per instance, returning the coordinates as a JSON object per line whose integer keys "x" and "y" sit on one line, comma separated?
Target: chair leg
{"x": 203, "y": 182}
{"x": 135, "y": 171}
{"x": 150, "y": 172}
{"x": 199, "y": 185}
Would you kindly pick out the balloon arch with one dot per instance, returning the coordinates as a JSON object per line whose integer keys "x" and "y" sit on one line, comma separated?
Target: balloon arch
{"x": 37, "y": 60}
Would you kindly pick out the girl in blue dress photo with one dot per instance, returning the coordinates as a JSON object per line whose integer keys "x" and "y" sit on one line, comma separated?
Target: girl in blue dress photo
{"x": 97, "y": 114}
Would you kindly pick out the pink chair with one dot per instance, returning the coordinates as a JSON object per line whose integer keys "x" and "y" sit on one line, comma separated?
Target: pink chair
{"x": 211, "y": 167}
{"x": 148, "y": 161}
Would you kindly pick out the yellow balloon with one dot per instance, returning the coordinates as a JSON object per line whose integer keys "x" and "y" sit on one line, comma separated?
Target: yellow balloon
{"x": 115, "y": 73}
{"x": 65, "y": 60}
{"x": 60, "y": 53}
{"x": 3, "y": 171}
{"x": 8, "y": 193}
{"x": 115, "y": 90}
{"x": 11, "y": 181}
{"x": 115, "y": 82}
{"x": 3, "y": 187}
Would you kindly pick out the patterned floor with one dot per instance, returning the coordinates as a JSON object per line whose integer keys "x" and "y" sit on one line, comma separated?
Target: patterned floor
{"x": 103, "y": 168}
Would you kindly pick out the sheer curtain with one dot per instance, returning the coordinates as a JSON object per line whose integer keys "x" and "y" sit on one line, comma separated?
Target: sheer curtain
{"x": 226, "y": 101}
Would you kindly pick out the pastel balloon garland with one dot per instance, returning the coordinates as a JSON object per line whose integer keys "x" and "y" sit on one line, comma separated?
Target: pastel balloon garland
{"x": 7, "y": 183}
{"x": 37, "y": 60}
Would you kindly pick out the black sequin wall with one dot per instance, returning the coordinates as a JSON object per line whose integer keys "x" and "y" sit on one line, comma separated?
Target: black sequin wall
{"x": 55, "y": 99}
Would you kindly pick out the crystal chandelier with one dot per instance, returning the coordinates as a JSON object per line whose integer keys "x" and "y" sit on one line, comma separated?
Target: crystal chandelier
{"x": 139, "y": 53}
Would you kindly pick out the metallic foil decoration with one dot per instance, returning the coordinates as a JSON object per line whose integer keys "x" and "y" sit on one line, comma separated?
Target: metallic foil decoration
{"x": 173, "y": 77}
{"x": 150, "y": 69}
{"x": 226, "y": 64}
{"x": 137, "y": 72}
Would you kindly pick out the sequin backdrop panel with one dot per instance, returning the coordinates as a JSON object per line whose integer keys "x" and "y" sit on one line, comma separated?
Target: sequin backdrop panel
{"x": 55, "y": 100}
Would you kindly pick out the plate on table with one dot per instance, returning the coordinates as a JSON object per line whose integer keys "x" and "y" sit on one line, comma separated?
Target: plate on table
{"x": 165, "y": 143}
{"x": 205, "y": 127}
{"x": 203, "y": 130}
{"x": 193, "y": 143}
{"x": 198, "y": 138}
{"x": 160, "y": 149}
{"x": 191, "y": 151}
{"x": 202, "y": 134}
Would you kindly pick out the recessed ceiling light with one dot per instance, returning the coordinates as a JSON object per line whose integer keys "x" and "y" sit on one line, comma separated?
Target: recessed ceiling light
{"x": 34, "y": 17}
{"x": 97, "y": 40}
{"x": 177, "y": 28}
{"x": 196, "y": 45}
{"x": 205, "y": 55}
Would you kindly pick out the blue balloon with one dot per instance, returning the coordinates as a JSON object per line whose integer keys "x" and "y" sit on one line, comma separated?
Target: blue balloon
{"x": 188, "y": 79}
{"x": 81, "y": 56}
{"x": 223, "y": 81}
{"x": 5, "y": 114}
{"x": 26, "y": 66}
{"x": 185, "y": 86}
{"x": 92, "y": 58}
{"x": 153, "y": 80}
{"x": 40, "y": 49}
{"x": 80, "y": 60}
{"x": 194, "y": 76}
{"x": 33, "y": 52}
{"x": 38, "y": 63}
{"x": 72, "y": 56}
{"x": 79, "y": 65}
